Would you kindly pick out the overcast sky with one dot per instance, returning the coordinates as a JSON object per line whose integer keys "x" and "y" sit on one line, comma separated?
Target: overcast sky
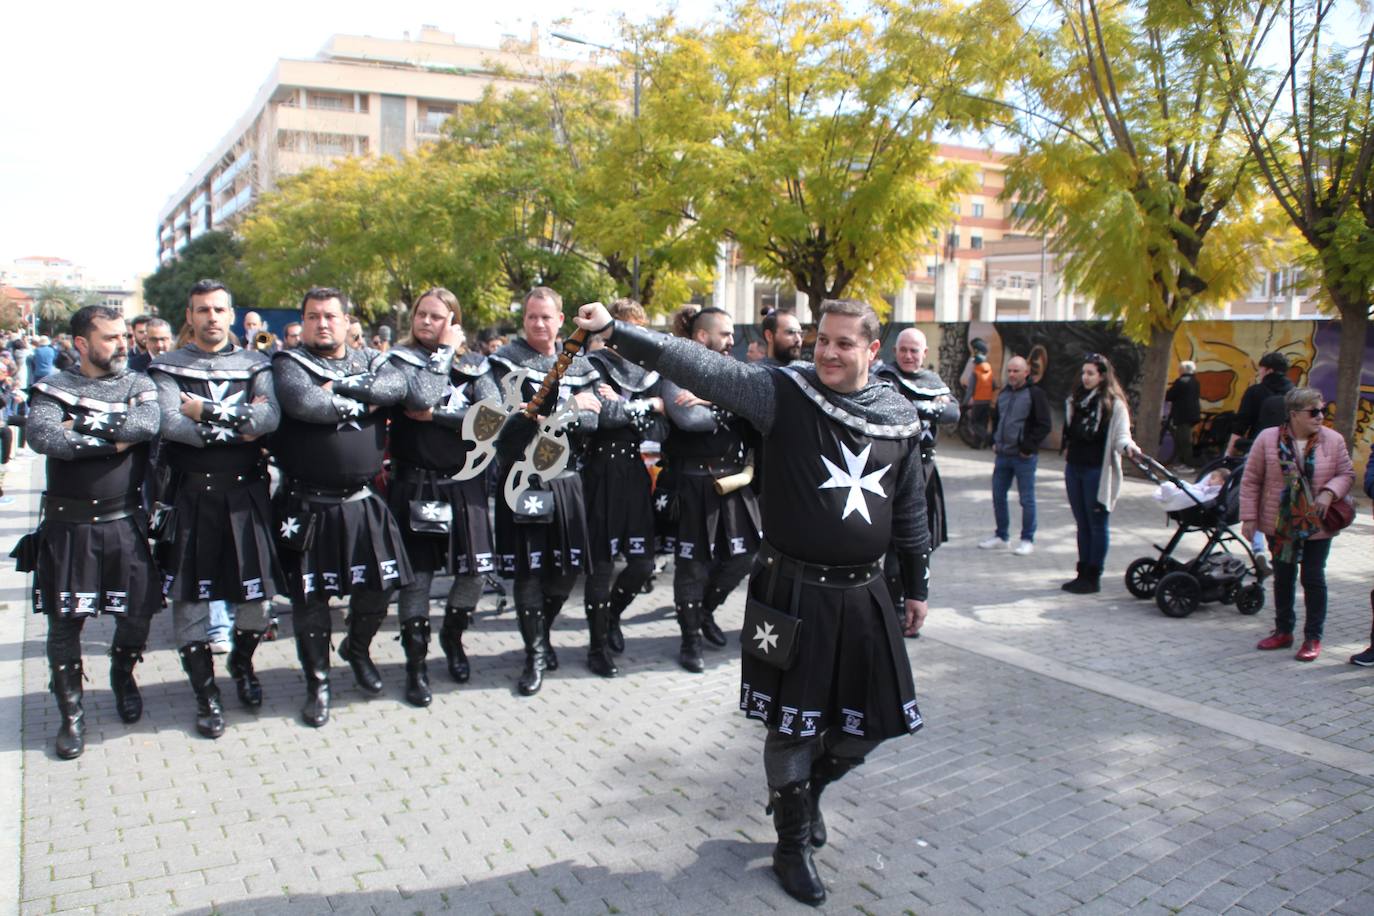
{"x": 106, "y": 107}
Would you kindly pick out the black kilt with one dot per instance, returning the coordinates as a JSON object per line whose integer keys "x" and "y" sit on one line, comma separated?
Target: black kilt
{"x": 559, "y": 547}
{"x": 223, "y": 546}
{"x": 357, "y": 546}
{"x": 851, "y": 669}
{"x": 90, "y": 568}
{"x": 467, "y": 549}
{"x": 620, "y": 514}
{"x": 935, "y": 507}
{"x": 711, "y": 526}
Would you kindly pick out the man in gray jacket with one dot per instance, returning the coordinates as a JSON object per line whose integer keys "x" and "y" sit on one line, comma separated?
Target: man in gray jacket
{"x": 1021, "y": 420}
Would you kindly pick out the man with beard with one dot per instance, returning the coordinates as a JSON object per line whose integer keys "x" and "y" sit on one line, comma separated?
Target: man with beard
{"x": 620, "y": 514}
{"x": 337, "y": 535}
{"x": 93, "y": 422}
{"x": 545, "y": 557}
{"x": 427, "y": 449}
{"x": 782, "y": 336}
{"x": 714, "y": 534}
{"x": 846, "y": 488}
{"x": 217, "y": 400}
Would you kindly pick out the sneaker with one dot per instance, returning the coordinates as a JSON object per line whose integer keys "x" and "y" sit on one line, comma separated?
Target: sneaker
{"x": 992, "y": 543}
{"x": 1364, "y": 659}
{"x": 1024, "y": 549}
{"x": 1262, "y": 564}
{"x": 220, "y": 646}
{"x": 1275, "y": 640}
{"x": 1311, "y": 648}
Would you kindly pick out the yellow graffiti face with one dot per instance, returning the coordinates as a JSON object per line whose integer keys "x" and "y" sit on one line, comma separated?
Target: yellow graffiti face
{"x": 1227, "y": 355}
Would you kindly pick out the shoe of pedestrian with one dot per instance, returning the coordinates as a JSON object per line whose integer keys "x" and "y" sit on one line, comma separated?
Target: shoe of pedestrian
{"x": 1074, "y": 582}
{"x": 220, "y": 645}
{"x": 992, "y": 543}
{"x": 66, "y": 687}
{"x": 1024, "y": 549}
{"x": 1311, "y": 648}
{"x": 1262, "y": 564}
{"x": 792, "y": 862}
{"x": 128, "y": 700}
{"x": 1089, "y": 582}
{"x": 415, "y": 642}
{"x": 1275, "y": 640}
{"x": 1364, "y": 659}
{"x": 199, "y": 666}
{"x": 239, "y": 664}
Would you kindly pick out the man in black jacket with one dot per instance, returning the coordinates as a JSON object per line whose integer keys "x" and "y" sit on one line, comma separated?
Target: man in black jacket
{"x": 1262, "y": 404}
{"x": 1021, "y": 419}
{"x": 1185, "y": 396}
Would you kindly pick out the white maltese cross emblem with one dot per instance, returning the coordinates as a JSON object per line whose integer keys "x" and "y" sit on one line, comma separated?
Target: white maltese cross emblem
{"x": 765, "y": 637}
{"x": 290, "y": 528}
{"x": 853, "y": 477}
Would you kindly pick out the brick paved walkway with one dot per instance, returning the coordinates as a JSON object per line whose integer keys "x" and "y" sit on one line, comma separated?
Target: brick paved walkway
{"x": 1082, "y": 754}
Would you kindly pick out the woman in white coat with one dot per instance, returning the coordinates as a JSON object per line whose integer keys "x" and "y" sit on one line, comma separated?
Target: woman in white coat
{"x": 1097, "y": 432}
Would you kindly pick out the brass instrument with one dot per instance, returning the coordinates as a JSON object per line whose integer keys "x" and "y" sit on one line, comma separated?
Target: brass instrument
{"x": 265, "y": 342}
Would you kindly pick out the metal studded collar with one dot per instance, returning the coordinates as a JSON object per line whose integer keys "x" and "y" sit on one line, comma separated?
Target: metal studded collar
{"x": 875, "y": 410}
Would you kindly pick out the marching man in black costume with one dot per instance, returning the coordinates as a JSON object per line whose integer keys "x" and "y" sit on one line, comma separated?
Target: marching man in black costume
{"x": 217, "y": 399}
{"x": 620, "y": 514}
{"x": 444, "y": 522}
{"x": 336, "y": 533}
{"x": 545, "y": 555}
{"x": 91, "y": 556}
{"x": 824, "y": 666}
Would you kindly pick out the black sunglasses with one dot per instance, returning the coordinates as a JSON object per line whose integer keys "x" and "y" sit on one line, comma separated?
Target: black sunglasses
{"x": 1313, "y": 412}
{"x": 1097, "y": 359}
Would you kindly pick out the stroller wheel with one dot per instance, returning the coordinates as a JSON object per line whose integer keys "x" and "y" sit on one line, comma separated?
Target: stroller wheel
{"x": 1178, "y": 594}
{"x": 1250, "y": 598}
{"x": 1142, "y": 576}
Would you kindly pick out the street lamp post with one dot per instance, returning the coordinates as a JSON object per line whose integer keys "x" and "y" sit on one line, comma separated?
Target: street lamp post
{"x": 563, "y": 36}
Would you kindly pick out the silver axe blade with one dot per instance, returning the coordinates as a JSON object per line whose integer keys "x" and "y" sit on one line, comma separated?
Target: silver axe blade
{"x": 483, "y": 421}
{"x": 547, "y": 455}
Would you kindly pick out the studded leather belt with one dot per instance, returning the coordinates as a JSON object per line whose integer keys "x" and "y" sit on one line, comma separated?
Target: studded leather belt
{"x": 817, "y": 573}
{"x": 325, "y": 496}
{"x": 224, "y": 480}
{"x": 88, "y": 511}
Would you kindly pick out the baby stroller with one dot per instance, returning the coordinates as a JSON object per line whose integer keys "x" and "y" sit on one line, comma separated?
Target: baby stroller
{"x": 1224, "y": 570}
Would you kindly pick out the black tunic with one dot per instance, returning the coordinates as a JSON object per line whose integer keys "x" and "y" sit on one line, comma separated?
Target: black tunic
{"x": 922, "y": 388}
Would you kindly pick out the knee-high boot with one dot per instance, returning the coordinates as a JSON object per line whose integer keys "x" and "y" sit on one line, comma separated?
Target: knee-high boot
{"x": 792, "y": 862}
{"x": 456, "y": 621}
{"x": 66, "y": 688}
{"x": 710, "y": 631}
{"x": 239, "y": 664}
{"x": 312, "y": 648}
{"x": 531, "y": 622}
{"x": 826, "y": 769}
{"x": 200, "y": 670}
{"x": 620, "y": 600}
{"x": 689, "y": 622}
{"x": 355, "y": 649}
{"x": 128, "y": 700}
{"x": 598, "y": 657}
{"x": 415, "y": 641}
{"x": 551, "y": 608}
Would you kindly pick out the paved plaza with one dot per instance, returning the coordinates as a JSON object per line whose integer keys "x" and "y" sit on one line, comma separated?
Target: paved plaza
{"x": 1081, "y": 754}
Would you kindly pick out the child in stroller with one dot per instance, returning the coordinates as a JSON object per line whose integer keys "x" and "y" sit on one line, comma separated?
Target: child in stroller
{"x": 1225, "y": 569}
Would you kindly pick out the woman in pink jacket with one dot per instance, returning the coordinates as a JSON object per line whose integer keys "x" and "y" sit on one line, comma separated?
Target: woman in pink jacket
{"x": 1294, "y": 473}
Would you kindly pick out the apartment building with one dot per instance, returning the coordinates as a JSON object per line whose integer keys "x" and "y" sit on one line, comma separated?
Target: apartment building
{"x": 359, "y": 96}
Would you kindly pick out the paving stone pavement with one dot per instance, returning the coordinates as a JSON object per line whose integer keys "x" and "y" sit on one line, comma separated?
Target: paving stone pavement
{"x": 1082, "y": 754}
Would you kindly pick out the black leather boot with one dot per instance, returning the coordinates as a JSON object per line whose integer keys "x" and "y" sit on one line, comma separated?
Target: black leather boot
{"x": 531, "y": 621}
{"x": 826, "y": 769}
{"x": 355, "y": 649}
{"x": 551, "y": 608}
{"x": 66, "y": 687}
{"x": 689, "y": 622}
{"x": 456, "y": 620}
{"x": 199, "y": 666}
{"x": 415, "y": 641}
{"x": 791, "y": 807}
{"x": 239, "y": 664}
{"x": 598, "y": 657}
{"x": 710, "y": 631}
{"x": 1075, "y": 582}
{"x": 1090, "y": 582}
{"x": 312, "y": 648}
{"x": 128, "y": 701}
{"x": 620, "y": 600}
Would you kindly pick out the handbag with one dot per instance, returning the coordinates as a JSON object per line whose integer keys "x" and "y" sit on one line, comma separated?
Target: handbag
{"x": 534, "y": 507}
{"x": 431, "y": 516}
{"x": 1338, "y": 515}
{"x": 162, "y": 527}
{"x": 769, "y": 635}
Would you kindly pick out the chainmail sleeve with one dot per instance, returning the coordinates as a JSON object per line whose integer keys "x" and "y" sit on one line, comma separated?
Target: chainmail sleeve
{"x": 265, "y": 416}
{"x": 747, "y": 390}
{"x": 144, "y": 418}
{"x": 302, "y": 398}
{"x": 44, "y": 430}
{"x": 696, "y": 418}
{"x": 382, "y": 385}
{"x": 910, "y": 529}
{"x": 176, "y": 426}
{"x": 425, "y": 384}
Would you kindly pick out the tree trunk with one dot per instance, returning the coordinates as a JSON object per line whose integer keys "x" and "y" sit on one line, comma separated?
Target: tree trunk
{"x": 1153, "y": 382}
{"x": 1350, "y": 362}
